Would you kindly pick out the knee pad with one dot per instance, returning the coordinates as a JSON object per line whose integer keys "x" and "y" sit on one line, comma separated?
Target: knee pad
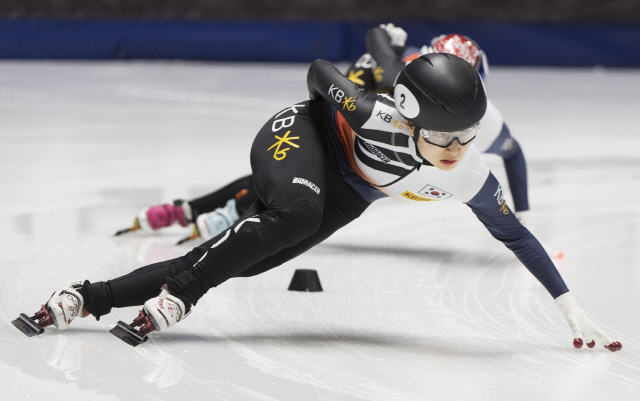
{"x": 309, "y": 217}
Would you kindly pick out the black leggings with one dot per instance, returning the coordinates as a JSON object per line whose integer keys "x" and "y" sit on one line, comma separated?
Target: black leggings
{"x": 240, "y": 189}
{"x": 302, "y": 200}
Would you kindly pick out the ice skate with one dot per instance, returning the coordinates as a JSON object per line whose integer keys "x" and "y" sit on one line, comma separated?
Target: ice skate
{"x": 157, "y": 314}
{"x": 208, "y": 225}
{"x": 212, "y": 224}
{"x": 63, "y": 306}
{"x": 156, "y": 217}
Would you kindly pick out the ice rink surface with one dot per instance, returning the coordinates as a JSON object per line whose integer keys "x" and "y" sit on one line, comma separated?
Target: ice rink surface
{"x": 438, "y": 312}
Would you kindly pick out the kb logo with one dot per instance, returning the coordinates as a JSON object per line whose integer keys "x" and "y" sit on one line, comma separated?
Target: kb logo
{"x": 281, "y": 154}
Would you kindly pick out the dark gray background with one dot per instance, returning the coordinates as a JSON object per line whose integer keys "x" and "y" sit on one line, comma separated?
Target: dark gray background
{"x": 614, "y": 11}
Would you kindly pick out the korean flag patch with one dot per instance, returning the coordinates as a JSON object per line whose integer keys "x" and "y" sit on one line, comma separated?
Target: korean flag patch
{"x": 434, "y": 193}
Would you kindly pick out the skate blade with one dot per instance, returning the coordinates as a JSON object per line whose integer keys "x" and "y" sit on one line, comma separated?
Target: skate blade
{"x": 136, "y": 226}
{"x": 123, "y": 231}
{"x": 128, "y": 334}
{"x": 194, "y": 235}
{"x": 27, "y": 326}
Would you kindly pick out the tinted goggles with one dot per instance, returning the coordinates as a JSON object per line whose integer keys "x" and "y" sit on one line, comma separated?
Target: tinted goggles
{"x": 445, "y": 139}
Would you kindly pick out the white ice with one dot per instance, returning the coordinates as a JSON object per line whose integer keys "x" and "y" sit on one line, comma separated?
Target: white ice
{"x": 440, "y": 311}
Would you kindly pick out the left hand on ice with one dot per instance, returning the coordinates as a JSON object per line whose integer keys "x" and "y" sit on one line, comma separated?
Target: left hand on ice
{"x": 582, "y": 326}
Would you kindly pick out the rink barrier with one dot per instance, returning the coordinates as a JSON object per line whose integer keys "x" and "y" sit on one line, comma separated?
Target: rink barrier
{"x": 611, "y": 45}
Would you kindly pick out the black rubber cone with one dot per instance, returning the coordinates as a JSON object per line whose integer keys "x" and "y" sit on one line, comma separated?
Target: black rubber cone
{"x": 305, "y": 280}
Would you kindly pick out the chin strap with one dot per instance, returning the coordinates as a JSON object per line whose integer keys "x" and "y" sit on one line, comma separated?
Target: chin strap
{"x": 415, "y": 141}
{"x": 424, "y": 160}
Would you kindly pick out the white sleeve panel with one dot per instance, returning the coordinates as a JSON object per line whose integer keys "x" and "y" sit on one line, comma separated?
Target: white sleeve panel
{"x": 490, "y": 127}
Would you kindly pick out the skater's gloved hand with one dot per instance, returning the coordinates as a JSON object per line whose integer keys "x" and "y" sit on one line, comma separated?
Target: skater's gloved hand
{"x": 582, "y": 326}
{"x": 398, "y": 35}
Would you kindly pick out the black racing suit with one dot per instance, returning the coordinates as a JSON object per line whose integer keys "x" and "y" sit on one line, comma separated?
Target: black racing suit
{"x": 306, "y": 191}
{"x": 302, "y": 200}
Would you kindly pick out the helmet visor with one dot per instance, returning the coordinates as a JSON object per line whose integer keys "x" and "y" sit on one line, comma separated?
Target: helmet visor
{"x": 445, "y": 139}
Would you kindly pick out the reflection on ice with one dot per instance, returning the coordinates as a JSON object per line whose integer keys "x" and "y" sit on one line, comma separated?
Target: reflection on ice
{"x": 166, "y": 370}
{"x": 66, "y": 356}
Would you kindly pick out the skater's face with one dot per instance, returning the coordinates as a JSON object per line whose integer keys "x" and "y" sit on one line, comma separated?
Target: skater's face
{"x": 445, "y": 159}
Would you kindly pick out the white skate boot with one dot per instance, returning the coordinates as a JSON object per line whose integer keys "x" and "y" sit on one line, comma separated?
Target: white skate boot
{"x": 208, "y": 225}
{"x": 63, "y": 306}
{"x": 212, "y": 224}
{"x": 165, "y": 310}
{"x": 157, "y": 314}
